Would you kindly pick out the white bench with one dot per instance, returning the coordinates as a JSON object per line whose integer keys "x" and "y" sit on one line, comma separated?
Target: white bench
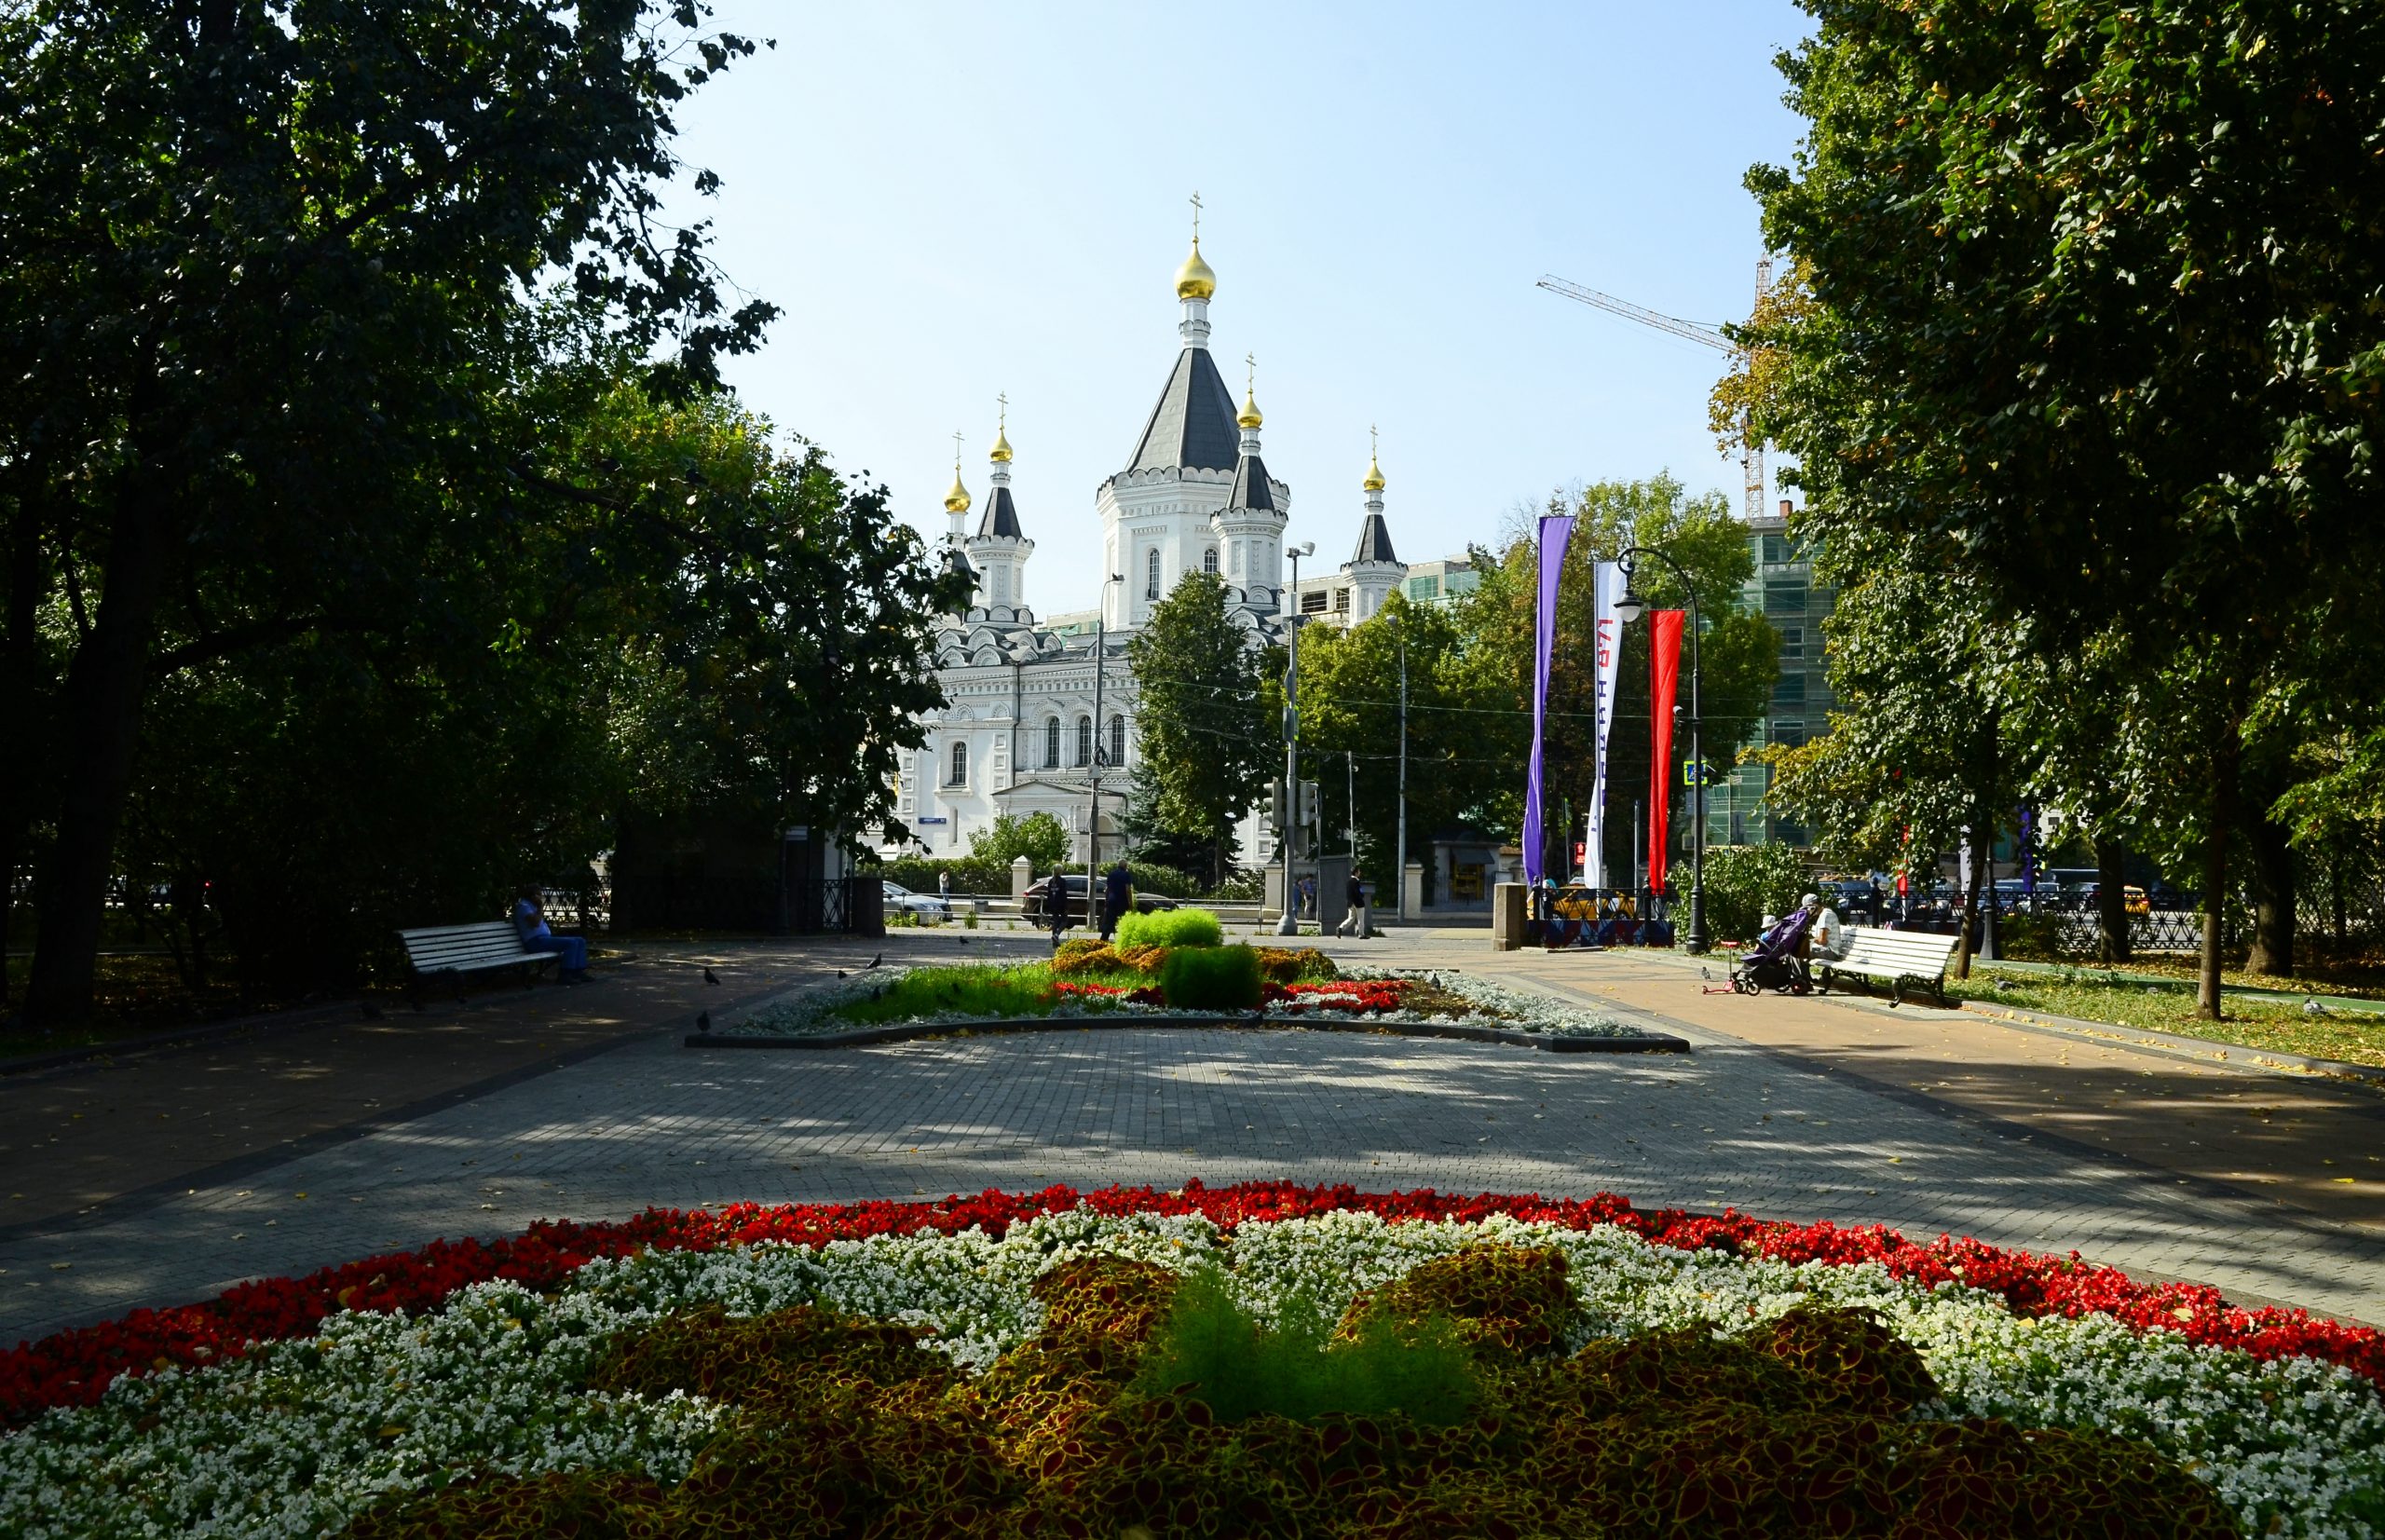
{"x": 1895, "y": 957}
{"x": 455, "y": 950}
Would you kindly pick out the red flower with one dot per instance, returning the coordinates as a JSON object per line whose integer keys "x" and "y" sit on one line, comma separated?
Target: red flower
{"x": 73, "y": 1368}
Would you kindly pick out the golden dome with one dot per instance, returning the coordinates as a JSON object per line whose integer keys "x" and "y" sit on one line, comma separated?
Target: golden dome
{"x": 1001, "y": 445}
{"x": 957, "y": 500}
{"x": 1374, "y": 475}
{"x": 1196, "y": 278}
{"x": 1249, "y": 417}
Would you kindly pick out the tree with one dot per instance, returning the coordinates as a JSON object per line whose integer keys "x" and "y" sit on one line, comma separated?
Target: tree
{"x": 267, "y": 262}
{"x": 1739, "y": 652}
{"x": 1207, "y": 735}
{"x": 1038, "y": 837}
{"x": 1462, "y": 743}
{"x": 2092, "y": 319}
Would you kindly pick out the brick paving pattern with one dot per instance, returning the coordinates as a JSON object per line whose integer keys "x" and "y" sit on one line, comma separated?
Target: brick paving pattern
{"x": 1735, "y": 1123}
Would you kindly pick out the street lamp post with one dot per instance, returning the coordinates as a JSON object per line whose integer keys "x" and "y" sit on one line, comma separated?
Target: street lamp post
{"x": 1629, "y": 610}
{"x": 1092, "y": 764}
{"x": 1400, "y": 856}
{"x": 1288, "y": 804}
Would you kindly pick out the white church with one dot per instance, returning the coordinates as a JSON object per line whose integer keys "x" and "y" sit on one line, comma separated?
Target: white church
{"x": 1039, "y": 715}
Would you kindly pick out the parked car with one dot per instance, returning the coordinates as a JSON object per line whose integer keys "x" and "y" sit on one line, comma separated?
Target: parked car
{"x": 1072, "y": 888}
{"x": 902, "y": 900}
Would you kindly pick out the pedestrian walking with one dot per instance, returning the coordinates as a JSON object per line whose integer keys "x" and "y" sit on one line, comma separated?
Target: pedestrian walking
{"x": 1117, "y": 894}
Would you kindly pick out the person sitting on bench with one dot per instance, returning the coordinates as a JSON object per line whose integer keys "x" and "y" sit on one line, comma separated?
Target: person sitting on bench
{"x": 571, "y": 951}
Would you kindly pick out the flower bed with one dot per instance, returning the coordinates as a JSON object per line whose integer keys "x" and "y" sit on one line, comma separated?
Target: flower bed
{"x": 1439, "y": 998}
{"x": 319, "y": 1395}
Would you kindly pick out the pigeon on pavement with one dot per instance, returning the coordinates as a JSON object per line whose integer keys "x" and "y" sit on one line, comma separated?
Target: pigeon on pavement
{"x": 703, "y": 1021}
{"x": 840, "y": 972}
{"x": 879, "y": 958}
{"x": 711, "y": 977}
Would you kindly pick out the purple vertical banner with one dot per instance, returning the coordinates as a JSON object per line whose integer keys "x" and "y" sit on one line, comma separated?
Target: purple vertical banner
{"x": 1556, "y": 531}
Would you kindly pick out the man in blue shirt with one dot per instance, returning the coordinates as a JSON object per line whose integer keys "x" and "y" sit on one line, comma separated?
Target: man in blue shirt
{"x": 530, "y": 919}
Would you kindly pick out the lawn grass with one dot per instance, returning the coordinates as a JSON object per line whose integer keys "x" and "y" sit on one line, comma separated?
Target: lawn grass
{"x": 2353, "y": 1037}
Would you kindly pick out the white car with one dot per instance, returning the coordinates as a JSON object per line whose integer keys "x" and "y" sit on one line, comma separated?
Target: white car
{"x": 902, "y": 900}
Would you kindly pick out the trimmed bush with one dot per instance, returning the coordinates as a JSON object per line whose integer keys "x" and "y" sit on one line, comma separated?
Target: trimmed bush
{"x": 1211, "y": 978}
{"x": 1170, "y": 928}
{"x": 1083, "y": 955}
{"x": 1283, "y": 965}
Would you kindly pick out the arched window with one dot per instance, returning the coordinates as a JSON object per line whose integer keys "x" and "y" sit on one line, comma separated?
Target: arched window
{"x": 1118, "y": 739}
{"x": 1209, "y": 563}
{"x": 1151, "y": 581}
{"x": 1051, "y": 742}
{"x": 1084, "y": 741}
{"x": 958, "y": 774}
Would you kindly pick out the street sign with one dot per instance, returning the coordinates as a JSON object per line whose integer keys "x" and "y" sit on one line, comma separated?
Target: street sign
{"x": 939, "y": 818}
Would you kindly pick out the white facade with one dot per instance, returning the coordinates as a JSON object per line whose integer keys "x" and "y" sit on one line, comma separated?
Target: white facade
{"x": 1040, "y": 717}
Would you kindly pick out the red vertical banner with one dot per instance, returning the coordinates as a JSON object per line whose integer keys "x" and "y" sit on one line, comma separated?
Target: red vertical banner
{"x": 1664, "y": 683}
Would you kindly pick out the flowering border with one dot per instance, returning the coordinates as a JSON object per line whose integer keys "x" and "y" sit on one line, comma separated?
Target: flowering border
{"x": 74, "y": 1368}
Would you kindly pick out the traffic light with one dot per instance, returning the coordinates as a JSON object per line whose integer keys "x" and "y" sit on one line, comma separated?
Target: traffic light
{"x": 1309, "y": 803}
{"x": 1275, "y": 804}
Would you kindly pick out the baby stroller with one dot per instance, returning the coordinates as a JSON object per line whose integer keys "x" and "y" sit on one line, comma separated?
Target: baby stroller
{"x": 1773, "y": 963}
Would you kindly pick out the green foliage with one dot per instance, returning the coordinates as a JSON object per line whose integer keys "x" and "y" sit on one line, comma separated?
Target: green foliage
{"x": 969, "y": 874}
{"x": 1038, "y": 837}
{"x": 1165, "y": 881}
{"x": 981, "y": 991}
{"x": 1211, "y": 978}
{"x": 1746, "y": 882}
{"x": 1208, "y": 740}
{"x": 1170, "y": 928}
{"x": 1500, "y": 1302}
{"x": 1296, "y": 1367}
{"x": 293, "y": 398}
{"x": 1286, "y": 965}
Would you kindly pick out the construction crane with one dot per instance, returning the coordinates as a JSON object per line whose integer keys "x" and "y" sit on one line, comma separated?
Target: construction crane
{"x": 1751, "y": 446}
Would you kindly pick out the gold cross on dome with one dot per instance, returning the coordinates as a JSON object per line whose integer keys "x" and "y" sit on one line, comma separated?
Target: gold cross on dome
{"x": 1196, "y": 214}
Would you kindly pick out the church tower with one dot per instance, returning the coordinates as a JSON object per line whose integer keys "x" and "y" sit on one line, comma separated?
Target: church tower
{"x": 1158, "y": 514}
{"x": 1374, "y": 569}
{"x": 1000, "y": 548}
{"x": 1249, "y": 531}
{"x": 956, "y": 507}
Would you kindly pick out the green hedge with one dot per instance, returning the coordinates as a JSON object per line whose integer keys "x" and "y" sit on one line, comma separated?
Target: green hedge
{"x": 1743, "y": 884}
{"x": 969, "y": 875}
{"x": 1170, "y": 928}
{"x": 1211, "y": 978}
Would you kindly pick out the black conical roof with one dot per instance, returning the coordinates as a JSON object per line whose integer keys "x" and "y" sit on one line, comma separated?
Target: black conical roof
{"x": 954, "y": 562}
{"x": 1251, "y": 488}
{"x": 1002, "y": 515}
{"x": 1194, "y": 423}
{"x": 1374, "y": 541}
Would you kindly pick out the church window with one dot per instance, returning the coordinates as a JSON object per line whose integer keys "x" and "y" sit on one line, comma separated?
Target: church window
{"x": 1341, "y": 599}
{"x": 1209, "y": 563}
{"x": 1313, "y": 602}
{"x": 1117, "y": 739}
{"x": 1051, "y": 742}
{"x": 1151, "y": 579}
{"x": 958, "y": 774}
{"x": 1084, "y": 741}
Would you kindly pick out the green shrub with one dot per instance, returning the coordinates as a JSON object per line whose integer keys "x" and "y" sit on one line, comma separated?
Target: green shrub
{"x": 1038, "y": 837}
{"x": 1242, "y": 1369}
{"x": 1149, "y": 879}
{"x": 1170, "y": 928}
{"x": 1743, "y": 884}
{"x": 969, "y": 875}
{"x": 1283, "y": 965}
{"x": 1211, "y": 978}
{"x": 2030, "y": 937}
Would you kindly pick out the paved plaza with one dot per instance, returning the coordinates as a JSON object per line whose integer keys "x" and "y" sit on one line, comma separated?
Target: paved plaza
{"x": 1803, "y": 1114}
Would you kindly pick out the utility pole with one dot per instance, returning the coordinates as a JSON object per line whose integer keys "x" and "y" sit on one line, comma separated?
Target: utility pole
{"x": 1290, "y": 923}
{"x": 1093, "y": 763}
{"x": 1399, "y": 873}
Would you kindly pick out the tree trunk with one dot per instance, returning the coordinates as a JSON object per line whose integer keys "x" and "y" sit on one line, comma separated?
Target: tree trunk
{"x": 2113, "y": 942}
{"x": 2271, "y": 876}
{"x": 105, "y": 691}
{"x": 1968, "y": 927}
{"x": 2214, "y": 870}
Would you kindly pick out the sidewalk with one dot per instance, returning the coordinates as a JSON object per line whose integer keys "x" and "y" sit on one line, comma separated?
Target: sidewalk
{"x": 2312, "y": 1145}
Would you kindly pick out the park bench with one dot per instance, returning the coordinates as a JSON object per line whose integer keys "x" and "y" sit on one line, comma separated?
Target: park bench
{"x": 1895, "y": 957}
{"x": 455, "y": 950}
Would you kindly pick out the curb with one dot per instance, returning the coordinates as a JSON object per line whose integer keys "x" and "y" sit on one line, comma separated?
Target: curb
{"x": 2196, "y": 1047}
{"x": 1651, "y": 1042}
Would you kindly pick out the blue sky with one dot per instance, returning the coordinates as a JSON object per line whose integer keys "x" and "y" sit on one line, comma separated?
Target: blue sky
{"x": 950, "y": 201}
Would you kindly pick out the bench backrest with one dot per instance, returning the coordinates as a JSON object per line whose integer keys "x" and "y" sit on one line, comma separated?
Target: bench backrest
{"x": 1920, "y": 953}
{"x": 440, "y": 946}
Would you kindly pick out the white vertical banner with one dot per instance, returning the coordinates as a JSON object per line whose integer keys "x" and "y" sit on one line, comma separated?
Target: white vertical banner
{"x": 1607, "y": 585}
